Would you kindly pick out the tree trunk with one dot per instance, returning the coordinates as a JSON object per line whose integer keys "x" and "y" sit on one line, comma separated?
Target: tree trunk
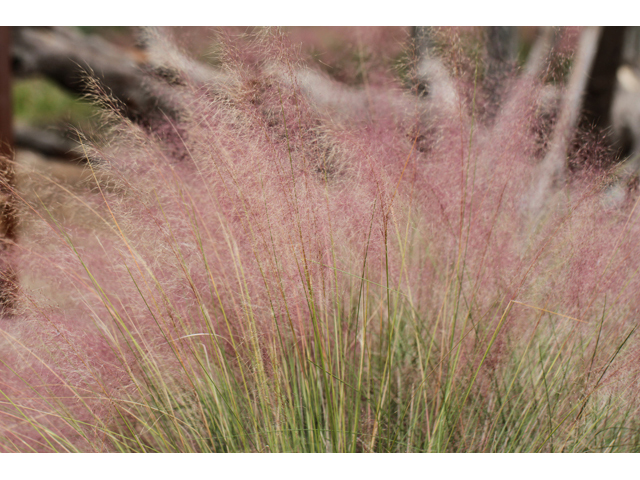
{"x": 502, "y": 52}
{"x": 598, "y": 96}
{"x": 502, "y": 48}
{"x": 7, "y": 203}
{"x": 6, "y": 131}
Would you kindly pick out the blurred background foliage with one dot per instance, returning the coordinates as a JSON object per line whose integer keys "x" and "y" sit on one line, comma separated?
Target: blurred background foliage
{"x": 40, "y": 102}
{"x": 351, "y": 55}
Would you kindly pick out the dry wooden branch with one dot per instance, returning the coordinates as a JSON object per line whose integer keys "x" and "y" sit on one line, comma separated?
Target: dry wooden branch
{"x": 67, "y": 56}
{"x": 46, "y": 142}
{"x": 553, "y": 168}
{"x": 538, "y": 59}
{"x": 432, "y": 77}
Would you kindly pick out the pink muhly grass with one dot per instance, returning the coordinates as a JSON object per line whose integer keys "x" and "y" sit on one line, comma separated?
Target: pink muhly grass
{"x": 274, "y": 270}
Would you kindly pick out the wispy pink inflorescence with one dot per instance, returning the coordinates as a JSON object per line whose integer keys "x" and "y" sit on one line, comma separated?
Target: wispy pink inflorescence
{"x": 264, "y": 197}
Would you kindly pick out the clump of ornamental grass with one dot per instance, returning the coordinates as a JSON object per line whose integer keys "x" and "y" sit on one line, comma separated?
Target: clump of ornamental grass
{"x": 286, "y": 263}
